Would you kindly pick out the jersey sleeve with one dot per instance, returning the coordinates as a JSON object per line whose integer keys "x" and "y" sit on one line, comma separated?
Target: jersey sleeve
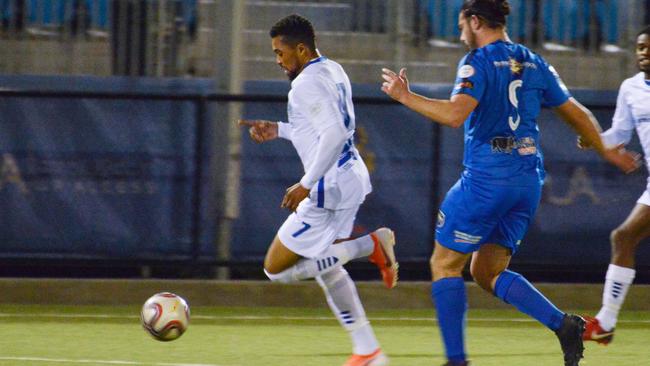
{"x": 319, "y": 100}
{"x": 470, "y": 77}
{"x": 555, "y": 92}
{"x": 284, "y": 130}
{"x": 622, "y": 122}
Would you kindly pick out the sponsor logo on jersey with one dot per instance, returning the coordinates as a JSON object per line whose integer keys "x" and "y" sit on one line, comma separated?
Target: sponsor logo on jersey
{"x": 506, "y": 144}
{"x": 465, "y": 85}
{"x": 514, "y": 65}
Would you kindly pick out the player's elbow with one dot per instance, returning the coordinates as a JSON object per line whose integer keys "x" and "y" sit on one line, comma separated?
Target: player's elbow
{"x": 456, "y": 122}
{"x": 457, "y": 116}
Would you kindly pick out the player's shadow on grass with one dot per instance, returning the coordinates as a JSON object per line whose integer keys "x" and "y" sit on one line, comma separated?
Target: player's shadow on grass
{"x": 423, "y": 355}
{"x": 476, "y": 355}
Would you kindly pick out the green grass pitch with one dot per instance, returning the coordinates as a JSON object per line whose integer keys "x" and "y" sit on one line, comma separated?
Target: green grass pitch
{"x": 84, "y": 335}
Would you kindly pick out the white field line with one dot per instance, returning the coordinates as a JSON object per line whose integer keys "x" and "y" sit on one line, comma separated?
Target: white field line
{"x": 98, "y": 362}
{"x": 278, "y": 317}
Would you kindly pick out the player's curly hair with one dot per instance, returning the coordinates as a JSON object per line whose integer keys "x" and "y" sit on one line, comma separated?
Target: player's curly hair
{"x": 295, "y": 29}
{"x": 493, "y": 12}
{"x": 645, "y": 30}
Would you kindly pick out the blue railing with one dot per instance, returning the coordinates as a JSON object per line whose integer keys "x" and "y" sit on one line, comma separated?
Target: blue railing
{"x": 77, "y": 14}
{"x": 569, "y": 23}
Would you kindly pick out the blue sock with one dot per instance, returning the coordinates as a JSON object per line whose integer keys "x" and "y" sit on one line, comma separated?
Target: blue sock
{"x": 450, "y": 299}
{"x": 514, "y": 289}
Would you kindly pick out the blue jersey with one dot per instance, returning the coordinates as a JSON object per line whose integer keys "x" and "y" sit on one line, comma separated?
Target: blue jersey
{"x": 511, "y": 84}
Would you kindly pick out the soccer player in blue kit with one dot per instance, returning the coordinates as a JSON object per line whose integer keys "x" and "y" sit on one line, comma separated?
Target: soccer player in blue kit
{"x": 499, "y": 91}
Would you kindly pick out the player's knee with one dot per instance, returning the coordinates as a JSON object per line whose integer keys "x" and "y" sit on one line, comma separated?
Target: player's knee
{"x": 483, "y": 277}
{"x": 622, "y": 239}
{"x": 442, "y": 268}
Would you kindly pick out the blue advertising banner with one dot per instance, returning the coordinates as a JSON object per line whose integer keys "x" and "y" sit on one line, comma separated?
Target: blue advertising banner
{"x": 100, "y": 178}
{"x": 117, "y": 178}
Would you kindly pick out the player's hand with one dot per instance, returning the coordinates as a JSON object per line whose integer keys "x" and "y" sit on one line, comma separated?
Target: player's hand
{"x": 627, "y": 161}
{"x": 260, "y": 130}
{"x": 295, "y": 194}
{"x": 396, "y": 86}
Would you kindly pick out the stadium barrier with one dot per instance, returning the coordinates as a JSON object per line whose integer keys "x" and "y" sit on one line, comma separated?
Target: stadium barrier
{"x": 116, "y": 172}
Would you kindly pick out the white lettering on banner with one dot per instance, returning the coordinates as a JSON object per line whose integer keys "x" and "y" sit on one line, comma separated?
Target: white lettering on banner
{"x": 579, "y": 184}
{"x": 10, "y": 174}
{"x": 82, "y": 177}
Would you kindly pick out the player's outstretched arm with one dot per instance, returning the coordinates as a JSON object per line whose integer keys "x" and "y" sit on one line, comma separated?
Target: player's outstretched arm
{"x": 450, "y": 113}
{"x": 260, "y": 130}
{"x": 585, "y": 124}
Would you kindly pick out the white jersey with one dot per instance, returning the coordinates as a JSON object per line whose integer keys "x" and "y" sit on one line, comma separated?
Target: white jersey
{"x": 321, "y": 128}
{"x": 632, "y": 112}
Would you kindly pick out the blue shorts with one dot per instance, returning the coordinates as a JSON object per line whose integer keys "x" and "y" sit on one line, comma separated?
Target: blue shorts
{"x": 475, "y": 213}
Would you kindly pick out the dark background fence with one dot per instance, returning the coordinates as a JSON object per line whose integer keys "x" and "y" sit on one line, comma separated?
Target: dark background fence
{"x": 115, "y": 177}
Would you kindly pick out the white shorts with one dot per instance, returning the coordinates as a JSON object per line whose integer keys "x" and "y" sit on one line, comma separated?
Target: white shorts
{"x": 311, "y": 230}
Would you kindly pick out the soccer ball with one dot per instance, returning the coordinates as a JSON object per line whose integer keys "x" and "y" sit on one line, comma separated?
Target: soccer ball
{"x": 165, "y": 316}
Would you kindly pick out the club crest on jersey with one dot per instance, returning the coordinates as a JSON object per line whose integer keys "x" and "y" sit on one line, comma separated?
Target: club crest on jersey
{"x": 515, "y": 66}
{"x": 465, "y": 71}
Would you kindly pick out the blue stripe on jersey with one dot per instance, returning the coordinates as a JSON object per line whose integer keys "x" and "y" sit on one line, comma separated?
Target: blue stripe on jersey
{"x": 647, "y": 82}
{"x": 345, "y": 158}
{"x": 321, "y": 193}
{"x": 346, "y": 154}
{"x": 343, "y": 104}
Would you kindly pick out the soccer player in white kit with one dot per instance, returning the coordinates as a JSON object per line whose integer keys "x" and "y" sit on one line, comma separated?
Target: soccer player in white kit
{"x": 632, "y": 112}
{"x": 314, "y": 241}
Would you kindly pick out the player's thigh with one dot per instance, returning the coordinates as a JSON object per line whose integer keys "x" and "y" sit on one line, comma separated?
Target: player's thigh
{"x": 637, "y": 224}
{"x": 513, "y": 224}
{"x": 469, "y": 213}
{"x": 279, "y": 257}
{"x": 309, "y": 231}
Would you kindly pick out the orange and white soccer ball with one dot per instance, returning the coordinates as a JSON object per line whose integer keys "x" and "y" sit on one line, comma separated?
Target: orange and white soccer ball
{"x": 165, "y": 316}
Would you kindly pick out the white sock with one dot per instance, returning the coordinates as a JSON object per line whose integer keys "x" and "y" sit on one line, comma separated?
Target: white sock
{"x": 359, "y": 247}
{"x": 334, "y": 257}
{"x": 617, "y": 282}
{"x": 344, "y": 301}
